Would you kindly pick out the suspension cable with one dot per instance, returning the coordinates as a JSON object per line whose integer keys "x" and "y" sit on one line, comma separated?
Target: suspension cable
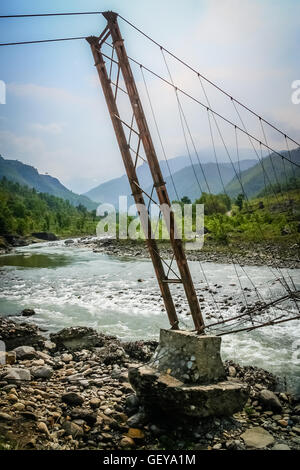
{"x": 206, "y": 79}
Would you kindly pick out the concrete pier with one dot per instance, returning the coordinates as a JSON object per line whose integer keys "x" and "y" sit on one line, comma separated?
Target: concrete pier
{"x": 186, "y": 376}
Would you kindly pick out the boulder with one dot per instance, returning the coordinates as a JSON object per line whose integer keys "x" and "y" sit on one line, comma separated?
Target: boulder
{"x": 16, "y": 374}
{"x": 257, "y": 438}
{"x": 28, "y": 312}
{"x": 25, "y": 352}
{"x": 19, "y": 334}
{"x": 75, "y": 338}
{"x": 48, "y": 236}
{"x": 69, "y": 241}
{"x": 42, "y": 372}
{"x": 137, "y": 420}
{"x": 15, "y": 240}
{"x": 269, "y": 400}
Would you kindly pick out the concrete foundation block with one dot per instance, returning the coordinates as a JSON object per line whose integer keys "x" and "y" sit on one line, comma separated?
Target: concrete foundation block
{"x": 189, "y": 357}
{"x": 162, "y": 392}
{"x": 186, "y": 377}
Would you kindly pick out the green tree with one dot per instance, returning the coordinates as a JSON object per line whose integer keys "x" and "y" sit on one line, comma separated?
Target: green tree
{"x": 240, "y": 201}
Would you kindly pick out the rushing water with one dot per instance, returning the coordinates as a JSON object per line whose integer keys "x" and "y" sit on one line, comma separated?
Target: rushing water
{"x": 69, "y": 286}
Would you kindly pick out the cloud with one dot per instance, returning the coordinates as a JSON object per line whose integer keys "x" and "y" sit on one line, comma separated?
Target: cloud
{"x": 15, "y": 146}
{"x": 59, "y": 96}
{"x": 54, "y": 128}
{"x": 33, "y": 91}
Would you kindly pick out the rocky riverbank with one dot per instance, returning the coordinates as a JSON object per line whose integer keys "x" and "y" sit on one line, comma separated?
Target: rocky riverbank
{"x": 270, "y": 254}
{"x": 281, "y": 255}
{"x": 72, "y": 392}
{"x": 9, "y": 242}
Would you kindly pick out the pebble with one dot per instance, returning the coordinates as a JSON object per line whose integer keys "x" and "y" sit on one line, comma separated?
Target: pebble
{"x": 94, "y": 402}
{"x": 135, "y": 433}
{"x": 43, "y": 372}
{"x": 42, "y": 427}
{"x": 99, "y": 410}
{"x": 72, "y": 398}
{"x": 127, "y": 442}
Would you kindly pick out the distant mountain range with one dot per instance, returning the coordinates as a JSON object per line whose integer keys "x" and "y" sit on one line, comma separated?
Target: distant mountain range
{"x": 183, "y": 176}
{"x": 269, "y": 171}
{"x": 29, "y": 176}
{"x": 189, "y": 180}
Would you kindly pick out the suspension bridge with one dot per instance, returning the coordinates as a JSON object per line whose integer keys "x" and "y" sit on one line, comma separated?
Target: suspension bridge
{"x": 124, "y": 79}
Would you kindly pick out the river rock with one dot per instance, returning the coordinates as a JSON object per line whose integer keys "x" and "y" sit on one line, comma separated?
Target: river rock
{"x": 69, "y": 241}
{"x": 75, "y": 338}
{"x": 72, "y": 429}
{"x": 94, "y": 403}
{"x": 19, "y": 334}
{"x": 42, "y": 427}
{"x": 137, "y": 420}
{"x": 27, "y": 312}
{"x": 6, "y": 417}
{"x": 80, "y": 413}
{"x": 49, "y": 345}
{"x": 28, "y": 415}
{"x": 232, "y": 371}
{"x": 25, "y": 352}
{"x": 42, "y": 372}
{"x": 48, "y": 236}
{"x": 16, "y": 374}
{"x": 127, "y": 442}
{"x": 281, "y": 447}
{"x": 72, "y": 398}
{"x": 66, "y": 357}
{"x": 257, "y": 438}
{"x": 135, "y": 433}
{"x": 269, "y": 400}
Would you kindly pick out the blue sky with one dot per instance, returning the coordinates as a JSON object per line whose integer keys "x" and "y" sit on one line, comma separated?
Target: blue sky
{"x": 55, "y": 117}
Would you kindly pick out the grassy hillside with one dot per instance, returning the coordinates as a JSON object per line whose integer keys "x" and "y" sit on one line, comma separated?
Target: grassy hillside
{"x": 269, "y": 218}
{"x": 27, "y": 175}
{"x": 23, "y": 210}
{"x": 270, "y": 172}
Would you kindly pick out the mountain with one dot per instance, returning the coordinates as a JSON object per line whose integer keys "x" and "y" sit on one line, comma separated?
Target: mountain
{"x": 27, "y": 175}
{"x": 182, "y": 173}
{"x": 191, "y": 181}
{"x": 267, "y": 173}
{"x": 110, "y": 191}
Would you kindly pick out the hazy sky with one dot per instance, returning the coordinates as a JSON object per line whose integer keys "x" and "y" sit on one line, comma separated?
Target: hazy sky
{"x": 55, "y": 117}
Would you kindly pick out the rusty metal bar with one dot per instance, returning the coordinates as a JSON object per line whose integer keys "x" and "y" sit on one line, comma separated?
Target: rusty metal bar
{"x": 250, "y": 311}
{"x": 132, "y": 176}
{"x": 118, "y": 44}
{"x": 269, "y": 323}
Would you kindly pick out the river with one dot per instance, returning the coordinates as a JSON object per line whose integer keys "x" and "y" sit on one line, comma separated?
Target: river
{"x": 69, "y": 286}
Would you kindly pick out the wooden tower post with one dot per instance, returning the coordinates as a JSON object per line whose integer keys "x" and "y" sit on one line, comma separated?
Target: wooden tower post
{"x": 113, "y": 30}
